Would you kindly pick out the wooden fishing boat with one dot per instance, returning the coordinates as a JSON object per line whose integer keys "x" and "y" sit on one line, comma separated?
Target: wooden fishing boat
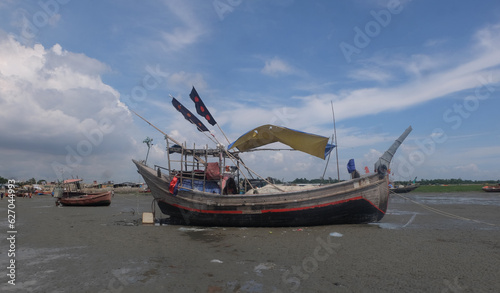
{"x": 87, "y": 199}
{"x": 492, "y": 188}
{"x": 209, "y": 193}
{"x": 404, "y": 188}
{"x": 70, "y": 193}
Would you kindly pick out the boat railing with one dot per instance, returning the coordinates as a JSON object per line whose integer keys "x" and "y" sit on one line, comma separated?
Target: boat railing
{"x": 201, "y": 169}
{"x": 193, "y": 165}
{"x": 158, "y": 169}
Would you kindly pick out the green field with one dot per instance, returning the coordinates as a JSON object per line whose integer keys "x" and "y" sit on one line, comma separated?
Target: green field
{"x": 450, "y": 188}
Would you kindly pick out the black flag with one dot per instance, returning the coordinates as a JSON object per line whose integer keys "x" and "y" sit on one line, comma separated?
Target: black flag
{"x": 188, "y": 115}
{"x": 200, "y": 107}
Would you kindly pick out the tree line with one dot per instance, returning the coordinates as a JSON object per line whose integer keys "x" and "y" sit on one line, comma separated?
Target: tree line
{"x": 452, "y": 181}
{"x": 21, "y": 183}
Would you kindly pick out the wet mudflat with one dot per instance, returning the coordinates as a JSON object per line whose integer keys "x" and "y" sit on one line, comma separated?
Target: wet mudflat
{"x": 426, "y": 242}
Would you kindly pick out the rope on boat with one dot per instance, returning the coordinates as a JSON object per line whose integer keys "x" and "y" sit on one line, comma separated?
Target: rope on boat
{"x": 201, "y": 160}
{"x": 442, "y": 213}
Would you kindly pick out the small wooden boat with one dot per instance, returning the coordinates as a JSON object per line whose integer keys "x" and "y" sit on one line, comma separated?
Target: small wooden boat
{"x": 70, "y": 193}
{"x": 492, "y": 188}
{"x": 211, "y": 197}
{"x": 404, "y": 188}
{"x": 87, "y": 199}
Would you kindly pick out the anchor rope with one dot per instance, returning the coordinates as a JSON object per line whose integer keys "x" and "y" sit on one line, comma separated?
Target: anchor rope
{"x": 443, "y": 213}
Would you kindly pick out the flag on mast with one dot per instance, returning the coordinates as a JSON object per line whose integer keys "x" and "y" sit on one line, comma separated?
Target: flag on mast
{"x": 200, "y": 107}
{"x": 188, "y": 115}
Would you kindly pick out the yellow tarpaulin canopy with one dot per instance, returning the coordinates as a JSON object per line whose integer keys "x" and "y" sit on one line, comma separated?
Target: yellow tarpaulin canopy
{"x": 308, "y": 143}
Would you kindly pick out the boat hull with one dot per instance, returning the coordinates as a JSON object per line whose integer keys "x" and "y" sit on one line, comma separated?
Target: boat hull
{"x": 404, "y": 189}
{"x": 491, "y": 188}
{"x": 360, "y": 200}
{"x": 356, "y": 211}
{"x": 91, "y": 199}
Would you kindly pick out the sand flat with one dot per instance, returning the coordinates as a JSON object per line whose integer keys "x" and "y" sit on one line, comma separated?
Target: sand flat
{"x": 107, "y": 249}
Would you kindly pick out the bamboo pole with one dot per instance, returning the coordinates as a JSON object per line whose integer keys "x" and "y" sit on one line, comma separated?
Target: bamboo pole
{"x": 336, "y": 144}
{"x": 166, "y": 135}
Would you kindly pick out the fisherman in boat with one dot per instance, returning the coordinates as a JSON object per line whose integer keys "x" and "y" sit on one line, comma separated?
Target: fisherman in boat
{"x": 230, "y": 187}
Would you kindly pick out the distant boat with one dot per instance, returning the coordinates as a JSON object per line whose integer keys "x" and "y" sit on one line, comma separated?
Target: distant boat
{"x": 70, "y": 193}
{"x": 404, "y": 188}
{"x": 493, "y": 188}
{"x": 211, "y": 197}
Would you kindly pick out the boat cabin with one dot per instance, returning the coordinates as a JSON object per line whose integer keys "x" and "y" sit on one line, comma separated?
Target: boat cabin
{"x": 207, "y": 170}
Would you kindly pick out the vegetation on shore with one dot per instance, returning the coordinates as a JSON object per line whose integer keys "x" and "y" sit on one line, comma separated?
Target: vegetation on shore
{"x": 425, "y": 185}
{"x": 451, "y": 185}
{"x": 450, "y": 188}
{"x": 458, "y": 181}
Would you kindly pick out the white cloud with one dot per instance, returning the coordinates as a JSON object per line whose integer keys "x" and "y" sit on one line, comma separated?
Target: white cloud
{"x": 427, "y": 77}
{"x": 488, "y": 38}
{"x": 58, "y": 112}
{"x": 438, "y": 81}
{"x": 434, "y": 42}
{"x": 375, "y": 74}
{"x": 186, "y": 80}
{"x": 189, "y": 30}
{"x": 277, "y": 158}
{"x": 276, "y": 66}
{"x": 467, "y": 168}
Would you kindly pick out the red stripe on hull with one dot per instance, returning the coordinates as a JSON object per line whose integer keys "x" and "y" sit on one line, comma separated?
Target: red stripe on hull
{"x": 375, "y": 206}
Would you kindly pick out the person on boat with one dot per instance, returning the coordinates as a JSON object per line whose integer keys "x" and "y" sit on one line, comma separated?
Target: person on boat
{"x": 351, "y": 168}
{"x": 230, "y": 187}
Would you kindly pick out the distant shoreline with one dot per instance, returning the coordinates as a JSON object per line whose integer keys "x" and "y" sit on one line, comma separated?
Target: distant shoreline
{"x": 451, "y": 188}
{"x": 421, "y": 188}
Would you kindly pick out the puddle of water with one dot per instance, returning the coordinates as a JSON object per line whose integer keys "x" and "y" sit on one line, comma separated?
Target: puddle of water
{"x": 263, "y": 267}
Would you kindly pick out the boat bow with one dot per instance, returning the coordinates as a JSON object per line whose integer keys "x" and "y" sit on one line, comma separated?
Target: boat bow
{"x": 383, "y": 163}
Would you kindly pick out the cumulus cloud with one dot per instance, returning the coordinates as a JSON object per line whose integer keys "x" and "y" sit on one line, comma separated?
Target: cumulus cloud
{"x": 58, "y": 116}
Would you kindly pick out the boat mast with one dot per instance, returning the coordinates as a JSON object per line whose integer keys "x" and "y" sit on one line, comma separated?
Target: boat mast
{"x": 336, "y": 145}
{"x": 334, "y": 138}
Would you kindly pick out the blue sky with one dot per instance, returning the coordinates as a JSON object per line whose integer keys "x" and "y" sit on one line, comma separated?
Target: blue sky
{"x": 70, "y": 71}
